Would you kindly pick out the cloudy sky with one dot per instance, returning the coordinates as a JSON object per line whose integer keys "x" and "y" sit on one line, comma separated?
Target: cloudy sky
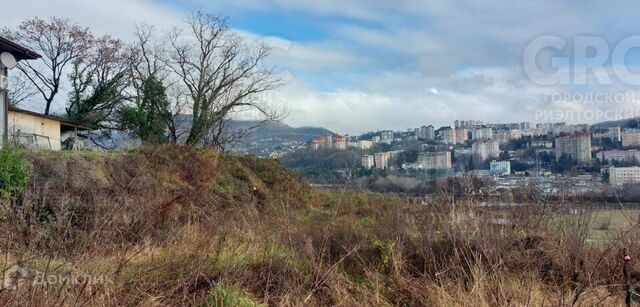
{"x": 360, "y": 65}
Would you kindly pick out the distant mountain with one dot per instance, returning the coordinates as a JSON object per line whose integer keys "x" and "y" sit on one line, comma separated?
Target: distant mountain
{"x": 273, "y": 138}
{"x": 622, "y": 123}
{"x": 277, "y": 129}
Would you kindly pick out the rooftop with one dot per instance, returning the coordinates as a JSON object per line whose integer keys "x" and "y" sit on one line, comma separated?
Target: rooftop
{"x": 19, "y": 52}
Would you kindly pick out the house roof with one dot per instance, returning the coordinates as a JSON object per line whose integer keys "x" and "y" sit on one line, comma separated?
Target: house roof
{"x": 19, "y": 52}
{"x": 62, "y": 120}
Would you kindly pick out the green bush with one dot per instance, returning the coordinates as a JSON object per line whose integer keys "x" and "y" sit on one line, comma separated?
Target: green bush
{"x": 14, "y": 176}
{"x": 224, "y": 296}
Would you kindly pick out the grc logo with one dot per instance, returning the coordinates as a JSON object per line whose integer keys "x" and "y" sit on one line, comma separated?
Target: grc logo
{"x": 552, "y": 60}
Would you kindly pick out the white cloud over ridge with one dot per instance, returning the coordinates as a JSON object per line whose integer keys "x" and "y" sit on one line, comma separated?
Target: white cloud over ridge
{"x": 393, "y": 64}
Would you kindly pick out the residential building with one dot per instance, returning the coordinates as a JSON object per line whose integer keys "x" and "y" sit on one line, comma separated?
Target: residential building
{"x": 542, "y": 144}
{"x": 447, "y": 135}
{"x": 505, "y": 136}
{"x": 467, "y": 123}
{"x": 381, "y": 159}
{"x": 363, "y": 144}
{"x": 430, "y": 133}
{"x": 564, "y": 129}
{"x": 576, "y": 145}
{"x": 486, "y": 149}
{"x": 368, "y": 161}
{"x": 619, "y": 176}
{"x": 525, "y": 126}
{"x": 329, "y": 141}
{"x": 386, "y": 136}
{"x": 10, "y": 54}
{"x": 482, "y": 133}
{"x": 461, "y": 135}
{"x": 622, "y": 156}
{"x": 630, "y": 137}
{"x": 340, "y": 142}
{"x": 37, "y": 131}
{"x": 440, "y": 160}
{"x": 612, "y": 133}
{"x": 500, "y": 167}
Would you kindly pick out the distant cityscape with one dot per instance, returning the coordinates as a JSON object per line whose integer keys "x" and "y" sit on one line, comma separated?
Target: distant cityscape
{"x": 611, "y": 154}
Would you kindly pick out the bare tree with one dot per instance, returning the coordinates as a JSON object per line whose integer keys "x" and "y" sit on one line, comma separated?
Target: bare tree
{"x": 60, "y": 42}
{"x": 154, "y": 101}
{"x": 145, "y": 55}
{"x": 21, "y": 90}
{"x": 221, "y": 74}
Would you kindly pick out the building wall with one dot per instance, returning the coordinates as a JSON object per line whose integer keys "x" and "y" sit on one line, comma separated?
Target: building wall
{"x": 630, "y": 137}
{"x": 500, "y": 167}
{"x": 619, "y": 176}
{"x": 435, "y": 160}
{"x": 576, "y": 145}
{"x": 627, "y": 156}
{"x": 485, "y": 150}
{"x": 368, "y": 162}
{"x": 26, "y": 124}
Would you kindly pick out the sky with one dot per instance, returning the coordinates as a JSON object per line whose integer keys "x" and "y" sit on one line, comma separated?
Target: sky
{"x": 365, "y": 65}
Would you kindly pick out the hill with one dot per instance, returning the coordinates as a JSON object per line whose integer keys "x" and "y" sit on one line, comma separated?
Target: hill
{"x": 183, "y": 226}
{"x": 623, "y": 123}
{"x": 271, "y": 137}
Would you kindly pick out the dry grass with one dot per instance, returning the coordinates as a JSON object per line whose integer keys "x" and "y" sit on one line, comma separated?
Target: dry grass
{"x": 180, "y": 226}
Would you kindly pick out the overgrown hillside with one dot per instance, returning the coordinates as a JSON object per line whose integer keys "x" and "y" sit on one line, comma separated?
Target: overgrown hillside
{"x": 180, "y": 226}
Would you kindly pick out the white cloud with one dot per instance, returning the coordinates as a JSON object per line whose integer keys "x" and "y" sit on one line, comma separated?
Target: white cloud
{"x": 404, "y": 63}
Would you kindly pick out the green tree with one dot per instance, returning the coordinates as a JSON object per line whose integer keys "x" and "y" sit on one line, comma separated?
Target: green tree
{"x": 98, "y": 82}
{"x": 146, "y": 119}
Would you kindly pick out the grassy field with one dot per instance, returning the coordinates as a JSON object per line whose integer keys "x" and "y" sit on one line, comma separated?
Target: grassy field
{"x": 181, "y": 226}
{"x": 607, "y": 223}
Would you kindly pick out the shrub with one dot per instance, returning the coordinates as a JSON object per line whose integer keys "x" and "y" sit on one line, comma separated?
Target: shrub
{"x": 14, "y": 176}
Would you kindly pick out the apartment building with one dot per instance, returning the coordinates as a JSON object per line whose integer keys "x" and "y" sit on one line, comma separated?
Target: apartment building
{"x": 622, "y": 156}
{"x": 328, "y": 141}
{"x": 447, "y": 135}
{"x": 483, "y": 133}
{"x": 619, "y": 176}
{"x": 462, "y": 135}
{"x": 486, "y": 149}
{"x": 368, "y": 161}
{"x": 381, "y": 159}
{"x": 612, "y": 133}
{"x": 386, "y": 136}
{"x": 440, "y": 160}
{"x": 576, "y": 145}
{"x": 630, "y": 137}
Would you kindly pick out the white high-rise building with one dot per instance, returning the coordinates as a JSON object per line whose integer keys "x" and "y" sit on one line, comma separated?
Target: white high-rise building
{"x": 630, "y": 137}
{"x": 612, "y": 133}
{"x": 386, "y": 136}
{"x": 440, "y": 160}
{"x": 368, "y": 161}
{"x": 576, "y": 145}
{"x": 461, "y": 135}
{"x": 486, "y": 149}
{"x": 619, "y": 176}
{"x": 430, "y": 133}
{"x": 483, "y": 133}
{"x": 448, "y": 135}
